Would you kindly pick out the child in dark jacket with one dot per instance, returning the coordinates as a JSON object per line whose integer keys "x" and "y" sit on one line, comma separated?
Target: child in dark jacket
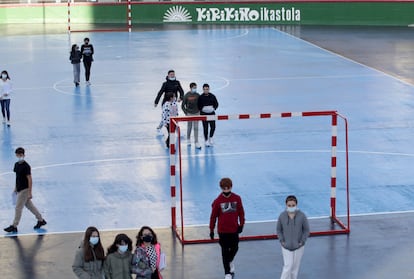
{"x": 75, "y": 59}
{"x": 118, "y": 262}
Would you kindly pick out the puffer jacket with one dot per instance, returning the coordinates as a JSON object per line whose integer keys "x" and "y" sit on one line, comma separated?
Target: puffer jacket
{"x": 118, "y": 266}
{"x": 87, "y": 270}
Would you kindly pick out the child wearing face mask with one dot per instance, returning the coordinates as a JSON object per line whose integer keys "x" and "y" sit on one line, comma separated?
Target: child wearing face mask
{"x": 89, "y": 257}
{"x": 292, "y": 231}
{"x": 5, "y": 91}
{"x": 227, "y": 210}
{"x": 147, "y": 256}
{"x": 118, "y": 259}
{"x": 75, "y": 58}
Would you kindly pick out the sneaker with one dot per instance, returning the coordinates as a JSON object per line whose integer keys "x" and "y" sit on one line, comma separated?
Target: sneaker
{"x": 197, "y": 145}
{"x": 188, "y": 142}
{"x": 8, "y": 123}
{"x": 4, "y": 120}
{"x": 228, "y": 276}
{"x": 207, "y": 143}
{"x": 11, "y": 229}
{"x": 210, "y": 141}
{"x": 88, "y": 83}
{"x": 39, "y": 224}
{"x": 232, "y": 267}
{"x": 76, "y": 84}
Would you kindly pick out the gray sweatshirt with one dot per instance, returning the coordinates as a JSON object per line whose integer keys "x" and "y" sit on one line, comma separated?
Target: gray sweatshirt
{"x": 292, "y": 233}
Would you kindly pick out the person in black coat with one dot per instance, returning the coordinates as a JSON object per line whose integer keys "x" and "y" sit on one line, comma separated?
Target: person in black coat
{"x": 170, "y": 85}
{"x": 207, "y": 104}
{"x": 87, "y": 57}
{"x": 75, "y": 59}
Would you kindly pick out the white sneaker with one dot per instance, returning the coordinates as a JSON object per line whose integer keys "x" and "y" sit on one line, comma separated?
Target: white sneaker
{"x": 207, "y": 143}
{"x": 8, "y": 123}
{"x": 228, "y": 276}
{"x": 188, "y": 142}
{"x": 232, "y": 267}
{"x": 4, "y": 120}
{"x": 197, "y": 145}
{"x": 88, "y": 83}
{"x": 210, "y": 141}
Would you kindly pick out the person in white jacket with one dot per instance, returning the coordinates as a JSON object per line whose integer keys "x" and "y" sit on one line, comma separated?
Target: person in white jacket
{"x": 5, "y": 91}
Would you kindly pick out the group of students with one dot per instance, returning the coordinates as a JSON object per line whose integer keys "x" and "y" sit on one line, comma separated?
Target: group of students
{"x": 193, "y": 104}
{"x": 120, "y": 261}
{"x": 5, "y": 91}
{"x": 86, "y": 55}
{"x": 292, "y": 230}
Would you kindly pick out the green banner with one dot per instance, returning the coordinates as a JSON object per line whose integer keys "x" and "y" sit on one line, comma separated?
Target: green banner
{"x": 321, "y": 13}
{"x": 391, "y": 13}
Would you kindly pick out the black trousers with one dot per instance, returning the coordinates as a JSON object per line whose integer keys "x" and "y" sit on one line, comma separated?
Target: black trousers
{"x": 229, "y": 243}
{"x": 212, "y": 125}
{"x": 87, "y": 65}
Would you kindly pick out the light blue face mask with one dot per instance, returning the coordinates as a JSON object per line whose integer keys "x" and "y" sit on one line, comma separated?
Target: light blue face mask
{"x": 291, "y": 209}
{"x": 3, "y": 76}
{"x": 193, "y": 90}
{"x": 171, "y": 78}
{"x": 94, "y": 240}
{"x": 122, "y": 248}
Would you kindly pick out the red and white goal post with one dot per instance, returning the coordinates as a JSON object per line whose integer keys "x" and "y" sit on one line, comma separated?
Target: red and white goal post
{"x": 336, "y": 227}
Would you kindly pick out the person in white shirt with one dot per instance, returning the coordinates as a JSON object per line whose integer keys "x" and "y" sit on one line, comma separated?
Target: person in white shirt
{"x": 5, "y": 91}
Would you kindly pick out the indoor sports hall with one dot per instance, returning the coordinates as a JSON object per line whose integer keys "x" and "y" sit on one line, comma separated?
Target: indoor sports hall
{"x": 97, "y": 159}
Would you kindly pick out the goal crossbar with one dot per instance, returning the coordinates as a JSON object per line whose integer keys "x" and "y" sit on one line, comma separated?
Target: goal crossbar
{"x": 340, "y": 228}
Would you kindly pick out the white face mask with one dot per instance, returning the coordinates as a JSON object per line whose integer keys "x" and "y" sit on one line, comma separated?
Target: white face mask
{"x": 291, "y": 209}
{"x": 193, "y": 90}
{"x": 3, "y": 76}
{"x": 94, "y": 240}
{"x": 122, "y": 248}
{"x": 20, "y": 159}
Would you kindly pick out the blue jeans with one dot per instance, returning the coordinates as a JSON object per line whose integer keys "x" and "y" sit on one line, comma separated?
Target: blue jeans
{"x": 5, "y": 108}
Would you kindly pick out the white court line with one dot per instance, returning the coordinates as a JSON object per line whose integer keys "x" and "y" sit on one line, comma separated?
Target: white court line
{"x": 204, "y": 225}
{"x": 246, "y": 32}
{"x": 307, "y": 77}
{"x": 343, "y": 57}
{"x": 212, "y": 155}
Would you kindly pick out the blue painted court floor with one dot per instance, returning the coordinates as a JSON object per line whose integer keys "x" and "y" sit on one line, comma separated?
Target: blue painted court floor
{"x": 97, "y": 160}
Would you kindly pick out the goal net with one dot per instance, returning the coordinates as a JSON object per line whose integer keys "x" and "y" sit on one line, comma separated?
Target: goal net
{"x": 324, "y": 156}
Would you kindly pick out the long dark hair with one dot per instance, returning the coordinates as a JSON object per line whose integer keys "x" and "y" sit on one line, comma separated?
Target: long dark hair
{"x": 73, "y": 50}
{"x": 119, "y": 239}
{"x": 139, "y": 236}
{"x": 88, "y": 248}
{"x": 5, "y": 72}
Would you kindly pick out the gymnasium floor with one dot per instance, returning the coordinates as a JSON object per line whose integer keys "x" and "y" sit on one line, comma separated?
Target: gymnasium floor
{"x": 97, "y": 160}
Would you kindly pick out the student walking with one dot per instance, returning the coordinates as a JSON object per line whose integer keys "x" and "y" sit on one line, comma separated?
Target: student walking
{"x": 170, "y": 85}
{"x": 5, "y": 91}
{"x": 119, "y": 258}
{"x": 293, "y": 231}
{"x": 207, "y": 104}
{"x": 23, "y": 189}
{"x": 89, "y": 257}
{"x": 189, "y": 106}
{"x": 87, "y": 57}
{"x": 147, "y": 256}
{"x": 229, "y": 211}
{"x": 75, "y": 58}
{"x": 169, "y": 109}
